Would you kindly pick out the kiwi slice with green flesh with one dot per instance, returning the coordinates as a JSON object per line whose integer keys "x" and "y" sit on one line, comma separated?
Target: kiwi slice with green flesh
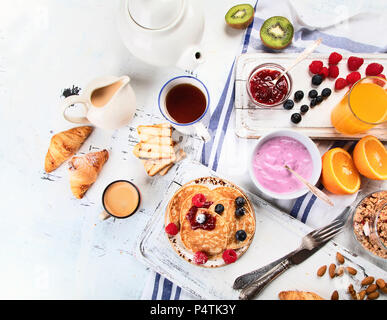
{"x": 240, "y": 16}
{"x": 277, "y": 32}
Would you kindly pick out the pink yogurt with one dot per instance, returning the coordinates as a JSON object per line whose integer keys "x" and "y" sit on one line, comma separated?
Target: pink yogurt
{"x": 269, "y": 161}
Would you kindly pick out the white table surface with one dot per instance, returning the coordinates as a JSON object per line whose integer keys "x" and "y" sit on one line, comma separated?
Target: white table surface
{"x": 53, "y": 245}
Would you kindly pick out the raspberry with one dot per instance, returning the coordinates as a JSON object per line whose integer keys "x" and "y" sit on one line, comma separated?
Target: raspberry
{"x": 335, "y": 58}
{"x": 353, "y": 77}
{"x": 354, "y": 63}
{"x": 229, "y": 256}
{"x": 324, "y": 72}
{"x": 340, "y": 83}
{"x": 333, "y": 71}
{"x": 171, "y": 229}
{"x": 198, "y": 200}
{"x": 316, "y": 66}
{"x": 374, "y": 69}
{"x": 200, "y": 257}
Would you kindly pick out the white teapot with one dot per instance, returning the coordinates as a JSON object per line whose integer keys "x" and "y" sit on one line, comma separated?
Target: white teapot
{"x": 109, "y": 103}
{"x": 163, "y": 32}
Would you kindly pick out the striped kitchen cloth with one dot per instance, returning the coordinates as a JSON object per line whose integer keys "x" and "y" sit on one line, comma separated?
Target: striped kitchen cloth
{"x": 344, "y": 26}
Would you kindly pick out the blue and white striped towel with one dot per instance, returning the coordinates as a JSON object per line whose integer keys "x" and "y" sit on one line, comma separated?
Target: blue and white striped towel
{"x": 348, "y": 27}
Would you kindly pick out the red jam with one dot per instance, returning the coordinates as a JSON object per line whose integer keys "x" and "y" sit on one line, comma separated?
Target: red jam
{"x": 209, "y": 224}
{"x": 265, "y": 92}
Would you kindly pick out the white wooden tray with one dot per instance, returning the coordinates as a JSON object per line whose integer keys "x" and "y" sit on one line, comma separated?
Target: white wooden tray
{"x": 276, "y": 234}
{"x": 252, "y": 122}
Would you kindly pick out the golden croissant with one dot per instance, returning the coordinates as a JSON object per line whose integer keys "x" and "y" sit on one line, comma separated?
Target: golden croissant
{"x": 84, "y": 171}
{"x": 63, "y": 145}
{"x": 298, "y": 295}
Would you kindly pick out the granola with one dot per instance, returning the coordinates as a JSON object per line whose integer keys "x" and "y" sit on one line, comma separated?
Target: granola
{"x": 363, "y": 219}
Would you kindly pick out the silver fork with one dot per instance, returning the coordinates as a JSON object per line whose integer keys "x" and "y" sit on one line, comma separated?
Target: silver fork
{"x": 255, "y": 281}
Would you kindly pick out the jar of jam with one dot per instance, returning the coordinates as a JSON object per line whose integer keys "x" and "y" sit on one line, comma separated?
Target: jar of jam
{"x": 262, "y": 91}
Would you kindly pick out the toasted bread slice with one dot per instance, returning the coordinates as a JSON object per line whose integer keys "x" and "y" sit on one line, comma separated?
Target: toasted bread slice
{"x": 152, "y": 167}
{"x": 154, "y": 151}
{"x": 159, "y": 130}
{"x": 298, "y": 295}
{"x": 179, "y": 156}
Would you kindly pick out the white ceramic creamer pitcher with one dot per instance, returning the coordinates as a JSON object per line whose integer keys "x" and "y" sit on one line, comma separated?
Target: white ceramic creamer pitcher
{"x": 163, "y": 32}
{"x": 109, "y": 103}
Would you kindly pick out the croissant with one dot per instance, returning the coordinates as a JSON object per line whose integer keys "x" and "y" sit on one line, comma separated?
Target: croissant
{"x": 298, "y": 295}
{"x": 63, "y": 145}
{"x": 84, "y": 171}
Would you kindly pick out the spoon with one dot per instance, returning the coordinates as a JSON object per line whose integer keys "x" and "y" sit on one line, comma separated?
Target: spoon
{"x": 304, "y": 54}
{"x": 316, "y": 191}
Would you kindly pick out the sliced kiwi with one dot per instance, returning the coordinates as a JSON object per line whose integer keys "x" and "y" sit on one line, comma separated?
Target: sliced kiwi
{"x": 277, "y": 32}
{"x": 240, "y": 16}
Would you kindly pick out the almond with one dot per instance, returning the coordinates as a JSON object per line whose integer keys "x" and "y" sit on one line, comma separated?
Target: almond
{"x": 321, "y": 271}
{"x": 367, "y": 281}
{"x": 381, "y": 283}
{"x": 371, "y": 288}
{"x": 339, "y": 257}
{"x": 335, "y": 295}
{"x": 361, "y": 295}
{"x": 384, "y": 290}
{"x": 340, "y": 272}
{"x": 332, "y": 270}
{"x": 352, "y": 292}
{"x": 372, "y": 296}
{"x": 351, "y": 270}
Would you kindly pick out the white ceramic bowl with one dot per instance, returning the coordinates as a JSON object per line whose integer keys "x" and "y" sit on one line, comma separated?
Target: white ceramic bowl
{"x": 309, "y": 145}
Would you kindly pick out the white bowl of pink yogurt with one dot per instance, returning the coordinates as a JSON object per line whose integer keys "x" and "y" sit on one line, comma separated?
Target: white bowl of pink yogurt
{"x": 277, "y": 149}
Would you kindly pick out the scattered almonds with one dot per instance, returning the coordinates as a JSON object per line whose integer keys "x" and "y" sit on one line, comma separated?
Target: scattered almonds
{"x": 372, "y": 296}
{"x": 351, "y": 271}
{"x": 361, "y": 295}
{"x": 367, "y": 281}
{"x": 340, "y": 272}
{"x": 371, "y": 288}
{"x": 321, "y": 271}
{"x": 335, "y": 295}
{"x": 381, "y": 283}
{"x": 332, "y": 270}
{"x": 339, "y": 257}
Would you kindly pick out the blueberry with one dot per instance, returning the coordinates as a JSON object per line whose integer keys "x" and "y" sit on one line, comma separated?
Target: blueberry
{"x": 319, "y": 99}
{"x": 240, "y": 202}
{"x": 304, "y": 108}
{"x": 313, "y": 102}
{"x": 240, "y": 211}
{"x": 240, "y": 235}
{"x": 219, "y": 208}
{"x": 296, "y": 118}
{"x": 201, "y": 218}
{"x": 288, "y": 104}
{"x": 313, "y": 94}
{"x": 298, "y": 95}
{"x": 317, "y": 79}
{"x": 326, "y": 92}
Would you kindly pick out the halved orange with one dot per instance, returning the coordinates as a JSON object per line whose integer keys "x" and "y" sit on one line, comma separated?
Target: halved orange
{"x": 339, "y": 174}
{"x": 370, "y": 158}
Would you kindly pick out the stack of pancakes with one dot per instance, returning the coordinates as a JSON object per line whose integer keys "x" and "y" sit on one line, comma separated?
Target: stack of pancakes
{"x": 223, "y": 236}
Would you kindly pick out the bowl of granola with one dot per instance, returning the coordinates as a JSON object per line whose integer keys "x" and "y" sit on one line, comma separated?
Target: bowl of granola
{"x": 370, "y": 223}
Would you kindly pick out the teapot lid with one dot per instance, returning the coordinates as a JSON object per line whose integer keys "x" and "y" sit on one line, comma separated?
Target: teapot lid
{"x": 155, "y": 14}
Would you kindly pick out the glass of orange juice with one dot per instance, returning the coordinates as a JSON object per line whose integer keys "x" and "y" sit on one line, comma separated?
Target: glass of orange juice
{"x": 363, "y": 107}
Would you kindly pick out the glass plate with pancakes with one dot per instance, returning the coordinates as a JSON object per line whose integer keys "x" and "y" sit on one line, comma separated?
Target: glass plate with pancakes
{"x": 212, "y": 216}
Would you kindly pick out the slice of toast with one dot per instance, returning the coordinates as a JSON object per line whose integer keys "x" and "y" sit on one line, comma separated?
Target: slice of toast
{"x": 158, "y": 130}
{"x": 154, "y": 151}
{"x": 179, "y": 156}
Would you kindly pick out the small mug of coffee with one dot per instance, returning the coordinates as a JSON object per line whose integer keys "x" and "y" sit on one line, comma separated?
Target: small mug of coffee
{"x": 120, "y": 200}
{"x": 184, "y": 101}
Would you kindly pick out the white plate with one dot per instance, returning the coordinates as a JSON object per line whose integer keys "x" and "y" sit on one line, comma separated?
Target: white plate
{"x": 276, "y": 234}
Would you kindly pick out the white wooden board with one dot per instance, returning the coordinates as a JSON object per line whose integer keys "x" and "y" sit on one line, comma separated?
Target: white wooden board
{"x": 252, "y": 122}
{"x": 276, "y": 234}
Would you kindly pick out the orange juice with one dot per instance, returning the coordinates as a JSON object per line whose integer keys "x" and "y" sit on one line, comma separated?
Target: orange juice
{"x": 362, "y": 108}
